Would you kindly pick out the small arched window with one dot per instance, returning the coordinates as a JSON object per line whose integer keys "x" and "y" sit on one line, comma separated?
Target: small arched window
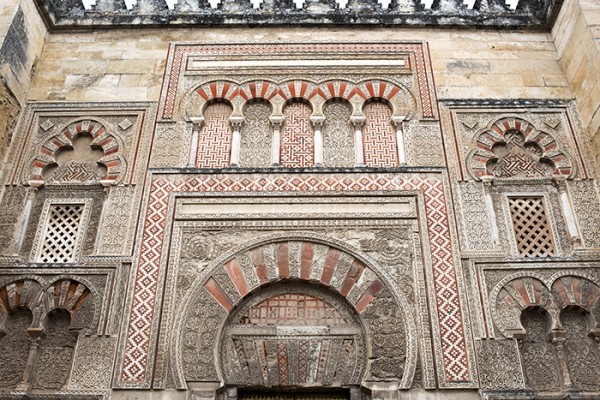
{"x": 256, "y": 135}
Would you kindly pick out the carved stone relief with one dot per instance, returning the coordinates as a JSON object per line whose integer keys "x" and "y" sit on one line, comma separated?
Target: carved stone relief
{"x": 14, "y": 347}
{"x": 171, "y": 145}
{"x": 581, "y": 350}
{"x": 475, "y": 221}
{"x": 11, "y": 210}
{"x": 55, "y": 353}
{"x": 256, "y": 135}
{"x": 116, "y": 222}
{"x": 424, "y": 145}
{"x": 96, "y": 351}
{"x": 586, "y": 204}
{"x": 338, "y": 135}
{"x": 275, "y": 261}
{"x": 499, "y": 364}
{"x": 386, "y": 329}
{"x": 540, "y": 362}
{"x": 199, "y": 338}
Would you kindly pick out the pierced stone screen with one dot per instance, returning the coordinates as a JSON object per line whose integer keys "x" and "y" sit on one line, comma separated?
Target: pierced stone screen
{"x": 532, "y": 230}
{"x": 62, "y": 232}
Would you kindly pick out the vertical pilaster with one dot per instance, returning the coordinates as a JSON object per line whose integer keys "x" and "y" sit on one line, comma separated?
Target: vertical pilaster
{"x": 358, "y": 123}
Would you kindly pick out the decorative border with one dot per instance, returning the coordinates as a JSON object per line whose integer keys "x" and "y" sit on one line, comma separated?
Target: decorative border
{"x": 179, "y": 53}
{"x": 451, "y": 338}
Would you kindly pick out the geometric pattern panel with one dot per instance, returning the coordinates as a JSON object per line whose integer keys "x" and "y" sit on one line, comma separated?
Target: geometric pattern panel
{"x": 62, "y": 233}
{"x": 531, "y": 227}
{"x": 379, "y": 137}
{"x": 448, "y": 321}
{"x": 293, "y": 309}
{"x": 214, "y": 142}
{"x": 297, "y": 137}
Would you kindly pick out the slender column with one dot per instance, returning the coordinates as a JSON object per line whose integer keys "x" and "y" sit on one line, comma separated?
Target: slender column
{"x": 24, "y": 386}
{"x": 236, "y": 140}
{"x": 197, "y": 123}
{"x": 397, "y": 121}
{"x": 277, "y": 122}
{"x": 489, "y": 203}
{"x": 359, "y": 152}
{"x": 558, "y": 340}
{"x": 318, "y": 139}
{"x": 568, "y": 212}
{"x": 25, "y": 220}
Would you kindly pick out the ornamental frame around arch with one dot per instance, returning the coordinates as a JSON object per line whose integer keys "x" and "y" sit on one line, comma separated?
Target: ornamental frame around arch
{"x": 219, "y": 262}
{"x": 485, "y": 139}
{"x": 551, "y": 307}
{"x": 111, "y": 144}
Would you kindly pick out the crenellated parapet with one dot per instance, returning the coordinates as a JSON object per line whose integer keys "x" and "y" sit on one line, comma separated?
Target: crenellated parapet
{"x": 492, "y": 13}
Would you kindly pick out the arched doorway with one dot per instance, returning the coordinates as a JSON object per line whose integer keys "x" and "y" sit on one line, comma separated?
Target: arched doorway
{"x": 293, "y": 334}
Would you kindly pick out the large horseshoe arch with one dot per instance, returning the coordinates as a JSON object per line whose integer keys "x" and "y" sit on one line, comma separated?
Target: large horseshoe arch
{"x": 294, "y": 310}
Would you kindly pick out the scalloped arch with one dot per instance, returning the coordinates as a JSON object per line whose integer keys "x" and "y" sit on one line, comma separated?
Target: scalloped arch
{"x": 496, "y": 134}
{"x": 110, "y": 145}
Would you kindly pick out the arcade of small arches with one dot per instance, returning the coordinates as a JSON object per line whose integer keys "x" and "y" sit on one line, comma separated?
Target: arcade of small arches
{"x": 298, "y": 124}
{"x": 39, "y": 326}
{"x": 556, "y": 325}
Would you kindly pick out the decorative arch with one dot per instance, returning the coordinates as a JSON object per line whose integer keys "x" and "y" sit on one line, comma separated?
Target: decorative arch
{"x": 278, "y": 329}
{"x": 75, "y": 297}
{"x": 338, "y": 89}
{"x": 218, "y": 90}
{"x": 513, "y": 148}
{"x": 111, "y": 157}
{"x": 21, "y": 293}
{"x": 258, "y": 90}
{"x": 512, "y": 296}
{"x": 571, "y": 290}
{"x": 298, "y": 89}
{"x": 307, "y": 260}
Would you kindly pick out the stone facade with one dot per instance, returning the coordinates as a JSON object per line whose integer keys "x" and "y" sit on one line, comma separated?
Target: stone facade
{"x": 226, "y": 211}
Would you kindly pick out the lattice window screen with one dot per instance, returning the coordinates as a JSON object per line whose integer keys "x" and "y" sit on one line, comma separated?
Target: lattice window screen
{"x": 62, "y": 233}
{"x": 532, "y": 229}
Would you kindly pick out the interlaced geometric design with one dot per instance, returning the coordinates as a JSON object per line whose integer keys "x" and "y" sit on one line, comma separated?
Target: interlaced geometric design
{"x": 141, "y": 323}
{"x": 379, "y": 137}
{"x": 62, "y": 233}
{"x": 214, "y": 141}
{"x": 293, "y": 309}
{"x": 532, "y": 230}
{"x": 297, "y": 137}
